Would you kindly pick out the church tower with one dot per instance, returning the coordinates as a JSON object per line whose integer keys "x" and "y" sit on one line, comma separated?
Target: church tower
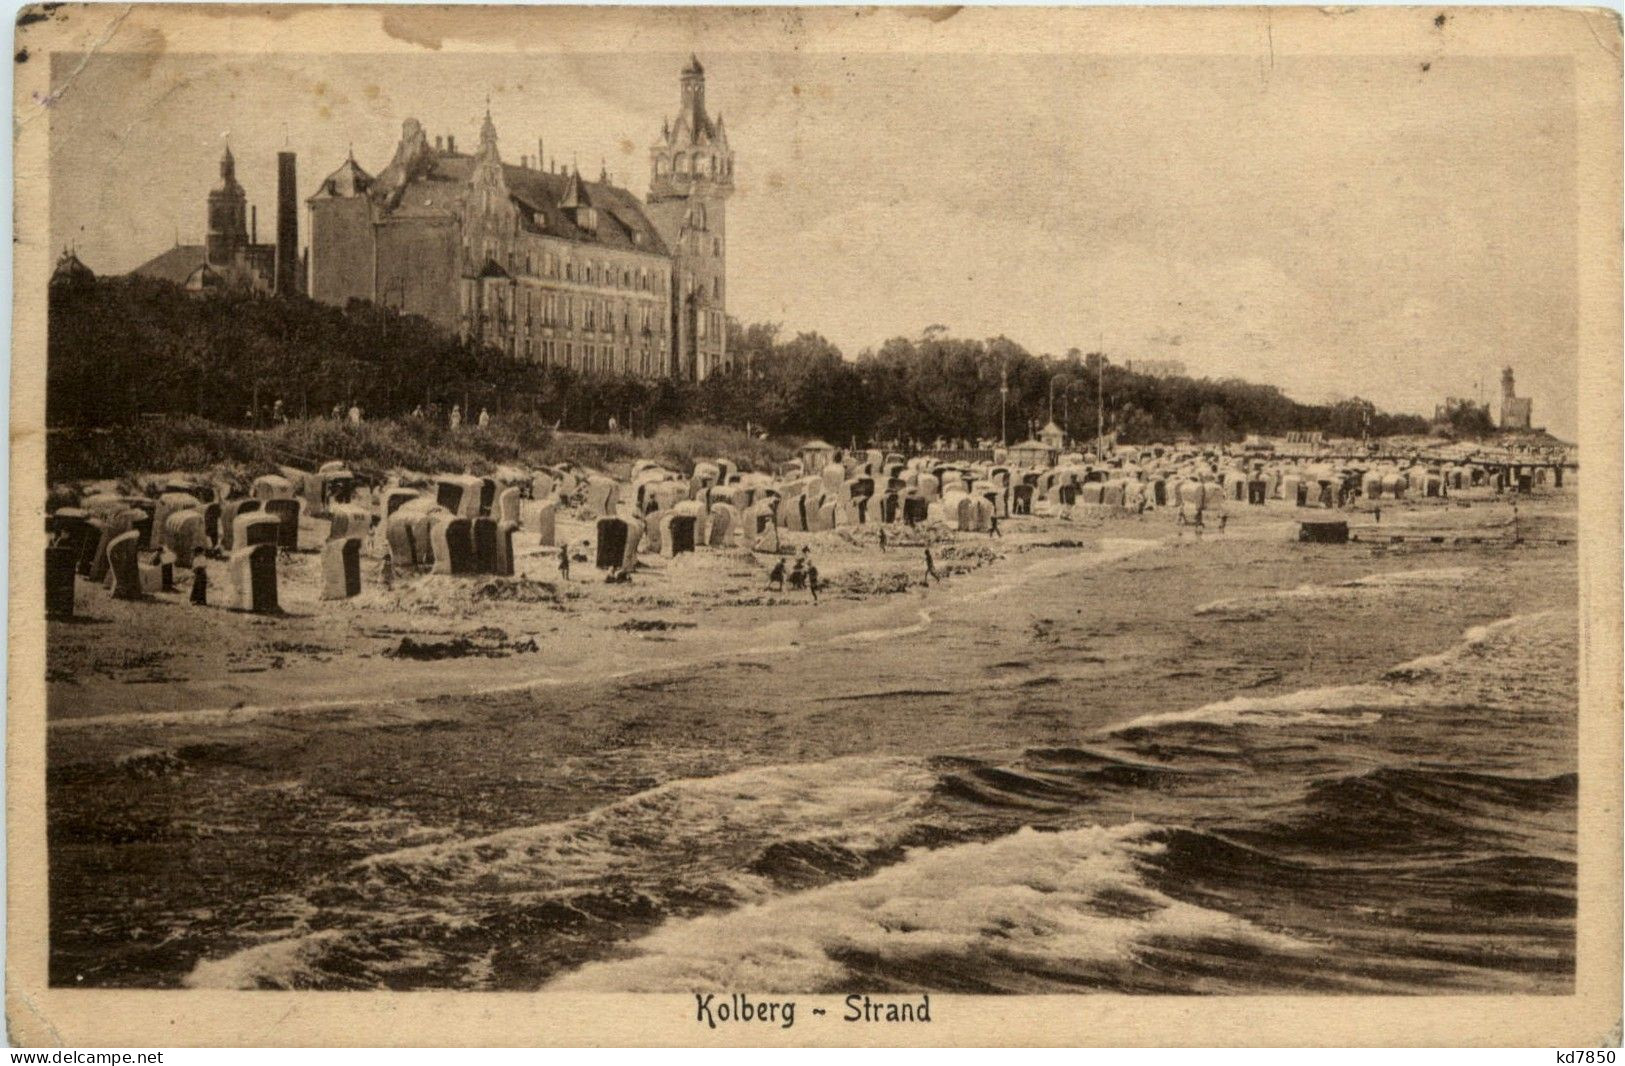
{"x": 691, "y": 178}
{"x": 228, "y": 216}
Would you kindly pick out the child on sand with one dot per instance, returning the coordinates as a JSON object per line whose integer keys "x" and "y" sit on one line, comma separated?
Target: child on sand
{"x": 812, "y": 581}
{"x": 882, "y": 540}
{"x": 775, "y": 578}
{"x": 564, "y": 562}
{"x": 931, "y": 568}
{"x": 798, "y": 575}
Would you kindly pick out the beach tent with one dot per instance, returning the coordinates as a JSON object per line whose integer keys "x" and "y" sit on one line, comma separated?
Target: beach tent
{"x": 271, "y": 487}
{"x": 678, "y": 533}
{"x": 618, "y": 541}
{"x": 543, "y": 521}
{"x": 705, "y": 475}
{"x": 451, "y": 538}
{"x": 720, "y": 525}
{"x": 1393, "y": 485}
{"x": 459, "y": 494}
{"x": 168, "y": 504}
{"x": 603, "y": 496}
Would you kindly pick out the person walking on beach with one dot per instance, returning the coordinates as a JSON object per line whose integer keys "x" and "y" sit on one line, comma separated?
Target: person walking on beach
{"x": 775, "y": 577}
{"x": 798, "y": 574}
{"x": 882, "y": 540}
{"x": 812, "y": 581}
{"x": 1378, "y": 512}
{"x": 993, "y": 528}
{"x": 200, "y": 579}
{"x": 564, "y": 563}
{"x": 931, "y": 569}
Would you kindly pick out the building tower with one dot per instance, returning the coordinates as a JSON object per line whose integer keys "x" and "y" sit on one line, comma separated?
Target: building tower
{"x": 228, "y": 216}
{"x": 1516, "y": 412}
{"x": 691, "y": 178}
{"x": 288, "y": 272}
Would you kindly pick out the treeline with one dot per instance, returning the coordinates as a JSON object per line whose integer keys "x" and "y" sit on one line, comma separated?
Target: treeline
{"x": 124, "y": 347}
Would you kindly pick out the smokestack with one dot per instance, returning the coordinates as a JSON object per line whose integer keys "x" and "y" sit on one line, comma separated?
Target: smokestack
{"x": 451, "y": 143}
{"x": 439, "y": 143}
{"x": 287, "y": 226}
{"x": 254, "y": 224}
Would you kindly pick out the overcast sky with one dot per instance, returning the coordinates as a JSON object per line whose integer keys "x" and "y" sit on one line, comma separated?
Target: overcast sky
{"x": 1333, "y": 226}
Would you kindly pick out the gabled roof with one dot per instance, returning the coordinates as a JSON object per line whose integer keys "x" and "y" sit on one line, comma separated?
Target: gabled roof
{"x": 539, "y": 195}
{"x": 174, "y": 266}
{"x": 347, "y": 181}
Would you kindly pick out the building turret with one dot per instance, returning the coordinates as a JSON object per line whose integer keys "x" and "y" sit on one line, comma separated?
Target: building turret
{"x": 228, "y": 216}
{"x": 691, "y": 178}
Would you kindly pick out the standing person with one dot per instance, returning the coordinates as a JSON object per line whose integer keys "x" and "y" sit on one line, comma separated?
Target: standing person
{"x": 564, "y": 563}
{"x": 993, "y": 528}
{"x": 812, "y": 581}
{"x": 485, "y": 418}
{"x": 882, "y": 539}
{"x": 386, "y": 571}
{"x": 931, "y": 568}
{"x": 775, "y": 578}
{"x": 1379, "y": 514}
{"x": 1223, "y": 518}
{"x": 355, "y": 415}
{"x": 278, "y": 415}
{"x": 798, "y": 574}
{"x": 456, "y": 415}
{"x": 200, "y": 579}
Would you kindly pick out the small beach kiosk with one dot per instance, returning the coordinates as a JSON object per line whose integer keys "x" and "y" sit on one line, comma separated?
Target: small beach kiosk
{"x": 815, "y": 455}
{"x": 1032, "y": 453}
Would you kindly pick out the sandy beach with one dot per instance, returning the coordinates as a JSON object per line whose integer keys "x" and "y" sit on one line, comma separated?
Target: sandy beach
{"x": 236, "y": 815}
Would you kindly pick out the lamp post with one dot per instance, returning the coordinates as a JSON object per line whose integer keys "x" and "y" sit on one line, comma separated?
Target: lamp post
{"x": 1004, "y": 399}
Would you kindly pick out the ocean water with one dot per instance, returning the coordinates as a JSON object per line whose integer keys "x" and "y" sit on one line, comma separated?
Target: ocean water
{"x": 1412, "y": 832}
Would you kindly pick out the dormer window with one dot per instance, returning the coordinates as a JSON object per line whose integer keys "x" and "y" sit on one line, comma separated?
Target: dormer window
{"x": 587, "y": 219}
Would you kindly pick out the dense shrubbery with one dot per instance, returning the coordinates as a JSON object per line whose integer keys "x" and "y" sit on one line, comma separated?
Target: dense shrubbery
{"x": 124, "y": 347}
{"x": 187, "y": 442}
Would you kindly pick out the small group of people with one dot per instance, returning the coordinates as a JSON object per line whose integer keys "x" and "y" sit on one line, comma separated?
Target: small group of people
{"x": 455, "y": 420}
{"x": 803, "y": 575}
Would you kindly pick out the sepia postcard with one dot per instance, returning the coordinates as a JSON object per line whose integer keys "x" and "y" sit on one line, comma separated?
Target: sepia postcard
{"x": 815, "y": 526}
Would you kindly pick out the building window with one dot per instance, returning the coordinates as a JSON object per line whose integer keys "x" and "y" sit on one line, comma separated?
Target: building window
{"x": 716, "y": 288}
